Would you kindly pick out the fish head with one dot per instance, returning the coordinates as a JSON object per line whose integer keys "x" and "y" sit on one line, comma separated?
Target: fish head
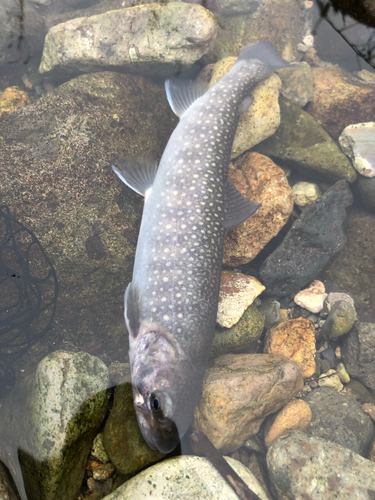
{"x": 165, "y": 390}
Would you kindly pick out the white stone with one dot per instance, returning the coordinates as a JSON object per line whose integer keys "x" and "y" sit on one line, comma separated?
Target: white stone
{"x": 305, "y": 193}
{"x": 330, "y": 379}
{"x": 312, "y": 298}
{"x": 185, "y": 478}
{"x": 237, "y": 293}
{"x": 358, "y": 142}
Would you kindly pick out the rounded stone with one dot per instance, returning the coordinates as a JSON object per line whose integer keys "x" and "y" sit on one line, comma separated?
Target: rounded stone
{"x": 358, "y": 143}
{"x": 295, "y": 415}
{"x": 340, "y": 320}
{"x": 305, "y": 193}
{"x": 294, "y": 339}
{"x": 185, "y": 477}
{"x": 11, "y": 99}
{"x": 312, "y": 298}
{"x": 330, "y": 379}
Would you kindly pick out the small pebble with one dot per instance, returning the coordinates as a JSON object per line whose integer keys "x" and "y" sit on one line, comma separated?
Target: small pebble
{"x": 340, "y": 320}
{"x": 295, "y": 415}
{"x": 98, "y": 450}
{"x": 305, "y": 193}
{"x": 369, "y": 408}
{"x": 331, "y": 299}
{"x": 325, "y": 365}
{"x": 312, "y": 298}
{"x": 338, "y": 352}
{"x": 342, "y": 373}
{"x": 103, "y": 472}
{"x": 330, "y": 379}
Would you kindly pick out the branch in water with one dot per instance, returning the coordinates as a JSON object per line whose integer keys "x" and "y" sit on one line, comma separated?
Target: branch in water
{"x": 218, "y": 461}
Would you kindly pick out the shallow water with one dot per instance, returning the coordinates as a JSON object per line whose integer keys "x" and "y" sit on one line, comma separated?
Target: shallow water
{"x": 82, "y": 86}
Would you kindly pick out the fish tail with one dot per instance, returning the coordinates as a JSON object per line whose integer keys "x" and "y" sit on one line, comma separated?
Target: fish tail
{"x": 264, "y": 52}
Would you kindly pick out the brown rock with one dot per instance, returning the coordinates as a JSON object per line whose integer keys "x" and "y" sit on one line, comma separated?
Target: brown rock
{"x": 239, "y": 391}
{"x": 295, "y": 339}
{"x": 259, "y": 179}
{"x": 295, "y": 415}
{"x": 11, "y": 99}
{"x": 340, "y": 100}
{"x": 237, "y": 293}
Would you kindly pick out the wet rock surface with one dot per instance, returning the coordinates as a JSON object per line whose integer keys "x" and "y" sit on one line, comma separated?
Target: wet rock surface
{"x": 298, "y": 83}
{"x": 237, "y": 293}
{"x": 308, "y": 467}
{"x": 340, "y": 320}
{"x": 159, "y": 39}
{"x": 302, "y": 144}
{"x": 353, "y": 270}
{"x": 312, "y": 240}
{"x": 185, "y": 477}
{"x": 358, "y": 143}
{"x": 49, "y": 422}
{"x": 11, "y": 99}
{"x": 241, "y": 336}
{"x": 122, "y": 437}
{"x": 359, "y": 353}
{"x": 311, "y": 298}
{"x": 56, "y": 178}
{"x": 305, "y": 193}
{"x": 340, "y": 100}
{"x": 294, "y": 339}
{"x": 239, "y": 391}
{"x": 259, "y": 179}
{"x": 340, "y": 419}
{"x": 366, "y": 191}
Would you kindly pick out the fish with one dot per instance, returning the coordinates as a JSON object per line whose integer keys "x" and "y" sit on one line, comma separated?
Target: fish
{"x": 171, "y": 303}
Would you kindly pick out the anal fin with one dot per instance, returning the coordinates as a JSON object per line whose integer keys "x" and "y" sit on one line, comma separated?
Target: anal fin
{"x": 138, "y": 175}
{"x": 238, "y": 207}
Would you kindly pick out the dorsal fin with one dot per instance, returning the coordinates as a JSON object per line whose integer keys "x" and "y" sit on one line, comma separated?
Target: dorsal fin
{"x": 132, "y": 302}
{"x": 182, "y": 94}
{"x": 265, "y": 52}
{"x": 238, "y": 207}
{"x": 139, "y": 176}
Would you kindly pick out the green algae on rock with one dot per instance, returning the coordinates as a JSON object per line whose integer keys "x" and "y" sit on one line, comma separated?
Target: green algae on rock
{"x": 301, "y": 143}
{"x": 240, "y": 336}
{"x": 55, "y": 175}
{"x": 49, "y": 423}
{"x": 123, "y": 440}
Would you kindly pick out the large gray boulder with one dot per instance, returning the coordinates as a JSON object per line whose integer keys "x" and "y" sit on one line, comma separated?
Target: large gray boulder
{"x": 147, "y": 40}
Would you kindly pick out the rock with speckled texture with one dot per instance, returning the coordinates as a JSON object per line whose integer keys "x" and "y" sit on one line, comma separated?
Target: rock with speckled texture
{"x": 49, "y": 422}
{"x": 311, "y": 298}
{"x": 239, "y": 391}
{"x": 148, "y": 40}
{"x": 261, "y": 180}
{"x": 185, "y": 477}
{"x": 358, "y": 353}
{"x": 239, "y": 337}
{"x": 295, "y": 339}
{"x": 237, "y": 293}
{"x": 297, "y": 83}
{"x": 11, "y": 99}
{"x": 300, "y": 466}
{"x": 358, "y": 142}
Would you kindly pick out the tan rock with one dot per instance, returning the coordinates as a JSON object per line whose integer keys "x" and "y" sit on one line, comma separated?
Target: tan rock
{"x": 239, "y": 391}
{"x": 259, "y": 179}
{"x": 330, "y": 379}
{"x": 295, "y": 415}
{"x": 342, "y": 373}
{"x": 369, "y": 408}
{"x": 295, "y": 339}
{"x": 312, "y": 298}
{"x": 237, "y": 293}
{"x": 11, "y": 99}
{"x": 261, "y": 120}
{"x": 305, "y": 193}
{"x": 340, "y": 100}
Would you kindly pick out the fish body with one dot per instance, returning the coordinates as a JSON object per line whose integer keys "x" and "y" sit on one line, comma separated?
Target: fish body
{"x": 171, "y": 303}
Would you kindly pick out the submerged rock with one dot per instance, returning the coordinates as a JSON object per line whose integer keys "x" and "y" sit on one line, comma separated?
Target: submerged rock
{"x": 305, "y": 193}
{"x": 122, "y": 437}
{"x": 240, "y": 336}
{"x": 312, "y": 240}
{"x": 358, "y": 353}
{"x": 7, "y": 489}
{"x": 185, "y": 477}
{"x": 298, "y": 83}
{"x": 49, "y": 422}
{"x": 11, "y": 99}
{"x": 358, "y": 142}
{"x": 301, "y": 143}
{"x": 340, "y": 99}
{"x": 237, "y": 293}
{"x": 340, "y": 419}
{"x": 261, "y": 180}
{"x": 239, "y": 391}
{"x": 366, "y": 190}
{"x": 340, "y": 320}
{"x": 56, "y": 178}
{"x": 147, "y": 40}
{"x": 294, "y": 339}
{"x": 300, "y": 466}
{"x": 311, "y": 298}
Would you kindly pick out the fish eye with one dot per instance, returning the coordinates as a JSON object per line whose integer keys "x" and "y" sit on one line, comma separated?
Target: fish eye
{"x": 156, "y": 404}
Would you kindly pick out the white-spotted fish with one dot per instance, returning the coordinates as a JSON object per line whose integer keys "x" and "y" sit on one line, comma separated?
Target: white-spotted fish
{"x": 171, "y": 303}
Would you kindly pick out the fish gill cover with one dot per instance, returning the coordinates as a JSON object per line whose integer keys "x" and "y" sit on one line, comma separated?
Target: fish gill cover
{"x": 28, "y": 291}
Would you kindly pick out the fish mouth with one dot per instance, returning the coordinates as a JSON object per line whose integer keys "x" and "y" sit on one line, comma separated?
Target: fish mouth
{"x": 160, "y": 435}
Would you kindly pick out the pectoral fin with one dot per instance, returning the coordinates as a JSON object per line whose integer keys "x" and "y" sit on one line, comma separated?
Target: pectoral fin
{"x": 132, "y": 304}
{"x": 238, "y": 207}
{"x": 139, "y": 176}
{"x": 182, "y": 94}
